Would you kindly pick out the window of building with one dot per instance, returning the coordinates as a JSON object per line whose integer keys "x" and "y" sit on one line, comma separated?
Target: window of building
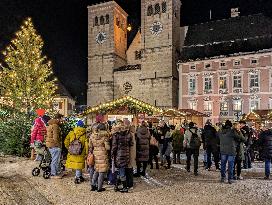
{"x": 117, "y": 22}
{"x": 237, "y": 105}
{"x": 254, "y": 104}
{"x": 60, "y": 105}
{"x": 107, "y": 19}
{"x": 192, "y": 85}
{"x": 207, "y": 83}
{"x": 237, "y": 62}
{"x": 223, "y": 82}
{"x": 157, "y": 9}
{"x": 192, "y": 67}
{"x": 224, "y": 106}
{"x": 208, "y": 106}
{"x": 96, "y": 21}
{"x": 254, "y": 61}
{"x": 102, "y": 20}
{"x": 164, "y": 7}
{"x": 149, "y": 10}
{"x": 192, "y": 105}
{"x": 137, "y": 55}
{"x": 254, "y": 80}
{"x": 222, "y": 64}
{"x": 208, "y": 65}
{"x": 237, "y": 81}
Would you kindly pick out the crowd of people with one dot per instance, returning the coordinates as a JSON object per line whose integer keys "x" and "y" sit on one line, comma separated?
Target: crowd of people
{"x": 123, "y": 151}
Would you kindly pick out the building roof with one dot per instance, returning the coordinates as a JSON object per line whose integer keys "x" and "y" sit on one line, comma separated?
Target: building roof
{"x": 128, "y": 67}
{"x": 227, "y": 36}
{"x": 62, "y": 91}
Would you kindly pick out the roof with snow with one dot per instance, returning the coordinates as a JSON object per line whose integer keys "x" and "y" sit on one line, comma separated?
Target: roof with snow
{"x": 227, "y": 36}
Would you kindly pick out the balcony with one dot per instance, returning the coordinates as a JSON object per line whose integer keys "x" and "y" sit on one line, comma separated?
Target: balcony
{"x": 207, "y": 91}
{"x": 237, "y": 90}
{"x": 223, "y": 91}
{"x": 254, "y": 89}
{"x": 224, "y": 113}
{"x": 192, "y": 92}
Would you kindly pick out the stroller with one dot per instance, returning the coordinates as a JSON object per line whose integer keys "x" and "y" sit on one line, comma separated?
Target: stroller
{"x": 45, "y": 161}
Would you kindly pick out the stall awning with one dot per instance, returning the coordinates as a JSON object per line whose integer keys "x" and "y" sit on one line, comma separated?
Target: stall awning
{"x": 133, "y": 105}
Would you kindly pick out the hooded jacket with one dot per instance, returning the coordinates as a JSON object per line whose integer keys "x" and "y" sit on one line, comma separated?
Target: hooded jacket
{"x": 76, "y": 161}
{"x": 53, "y": 137}
{"x": 142, "y": 140}
{"x": 38, "y": 132}
{"x": 99, "y": 146}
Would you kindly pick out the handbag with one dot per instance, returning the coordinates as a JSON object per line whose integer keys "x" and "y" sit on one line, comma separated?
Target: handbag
{"x": 90, "y": 159}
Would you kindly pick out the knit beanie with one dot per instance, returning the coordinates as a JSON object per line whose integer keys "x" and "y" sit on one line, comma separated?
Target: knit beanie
{"x": 80, "y": 123}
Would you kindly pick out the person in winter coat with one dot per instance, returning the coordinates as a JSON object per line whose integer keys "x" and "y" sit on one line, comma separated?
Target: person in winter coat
{"x": 228, "y": 143}
{"x": 266, "y": 144}
{"x": 120, "y": 153}
{"x": 54, "y": 142}
{"x": 211, "y": 145}
{"x": 132, "y": 154}
{"x": 167, "y": 147}
{"x": 192, "y": 143}
{"x": 77, "y": 162}
{"x": 162, "y": 129}
{"x": 142, "y": 148}
{"x": 99, "y": 146}
{"x": 247, "y": 135}
{"x": 239, "y": 152}
{"x": 178, "y": 138}
{"x": 38, "y": 134}
{"x": 153, "y": 151}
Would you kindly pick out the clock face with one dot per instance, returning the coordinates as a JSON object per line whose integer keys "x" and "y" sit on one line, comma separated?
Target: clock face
{"x": 156, "y": 28}
{"x": 101, "y": 37}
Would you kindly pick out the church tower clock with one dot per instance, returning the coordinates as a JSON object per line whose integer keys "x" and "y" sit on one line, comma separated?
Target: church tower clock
{"x": 107, "y": 45}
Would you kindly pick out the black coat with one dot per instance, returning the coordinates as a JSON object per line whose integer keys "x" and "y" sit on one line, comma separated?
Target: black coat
{"x": 210, "y": 137}
{"x": 266, "y": 144}
{"x": 142, "y": 144}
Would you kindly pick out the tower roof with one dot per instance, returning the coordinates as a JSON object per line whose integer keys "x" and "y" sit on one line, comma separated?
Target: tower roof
{"x": 227, "y": 36}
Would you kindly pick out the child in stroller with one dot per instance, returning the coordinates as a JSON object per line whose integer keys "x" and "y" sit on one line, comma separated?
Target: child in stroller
{"x": 45, "y": 161}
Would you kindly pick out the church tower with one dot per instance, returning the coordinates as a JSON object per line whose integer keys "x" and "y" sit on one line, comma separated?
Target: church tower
{"x": 107, "y": 45}
{"x": 161, "y": 44}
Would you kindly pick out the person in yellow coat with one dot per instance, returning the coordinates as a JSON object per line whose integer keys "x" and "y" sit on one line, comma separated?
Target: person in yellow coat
{"x": 76, "y": 157}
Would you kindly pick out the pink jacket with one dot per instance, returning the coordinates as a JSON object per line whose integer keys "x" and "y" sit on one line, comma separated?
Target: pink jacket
{"x": 39, "y": 131}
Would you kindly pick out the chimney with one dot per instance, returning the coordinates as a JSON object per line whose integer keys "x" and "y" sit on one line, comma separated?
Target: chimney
{"x": 234, "y": 12}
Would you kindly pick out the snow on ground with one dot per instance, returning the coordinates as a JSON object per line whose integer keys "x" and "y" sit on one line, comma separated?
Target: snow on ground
{"x": 160, "y": 187}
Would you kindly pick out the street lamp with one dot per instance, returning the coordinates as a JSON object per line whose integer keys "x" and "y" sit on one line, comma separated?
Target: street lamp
{"x": 129, "y": 27}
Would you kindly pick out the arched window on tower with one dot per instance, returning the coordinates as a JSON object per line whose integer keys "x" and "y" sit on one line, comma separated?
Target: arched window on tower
{"x": 102, "y": 20}
{"x": 96, "y": 21}
{"x": 157, "y": 9}
{"x": 164, "y": 8}
{"x": 149, "y": 10}
{"x": 107, "y": 19}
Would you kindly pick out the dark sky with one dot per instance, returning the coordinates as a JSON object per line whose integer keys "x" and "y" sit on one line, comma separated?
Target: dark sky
{"x": 63, "y": 26}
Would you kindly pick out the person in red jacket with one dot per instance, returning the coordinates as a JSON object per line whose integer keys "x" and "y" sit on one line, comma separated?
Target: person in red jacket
{"x": 38, "y": 133}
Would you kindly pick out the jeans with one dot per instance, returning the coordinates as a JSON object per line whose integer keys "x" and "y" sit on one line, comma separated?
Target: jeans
{"x": 247, "y": 161}
{"x": 91, "y": 172}
{"x": 55, "y": 163}
{"x": 267, "y": 167}
{"x": 189, "y": 153}
{"x": 78, "y": 173}
{"x": 98, "y": 179}
{"x": 224, "y": 159}
{"x": 161, "y": 155}
{"x": 122, "y": 174}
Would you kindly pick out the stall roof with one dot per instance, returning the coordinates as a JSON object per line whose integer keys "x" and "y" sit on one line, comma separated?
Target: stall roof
{"x": 191, "y": 112}
{"x": 133, "y": 104}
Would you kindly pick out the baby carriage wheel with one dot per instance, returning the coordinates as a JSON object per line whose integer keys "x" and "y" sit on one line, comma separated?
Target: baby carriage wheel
{"x": 46, "y": 174}
{"x": 35, "y": 172}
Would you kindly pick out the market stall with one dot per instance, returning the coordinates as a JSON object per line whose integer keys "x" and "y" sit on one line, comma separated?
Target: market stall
{"x": 194, "y": 116}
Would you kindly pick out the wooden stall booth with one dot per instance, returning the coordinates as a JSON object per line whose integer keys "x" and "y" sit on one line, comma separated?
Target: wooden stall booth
{"x": 194, "y": 116}
{"x": 123, "y": 108}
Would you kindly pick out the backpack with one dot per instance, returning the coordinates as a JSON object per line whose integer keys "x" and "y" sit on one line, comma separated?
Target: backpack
{"x": 90, "y": 159}
{"x": 75, "y": 147}
{"x": 195, "y": 142}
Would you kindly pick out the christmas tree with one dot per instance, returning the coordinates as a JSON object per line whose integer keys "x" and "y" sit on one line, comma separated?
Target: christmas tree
{"x": 26, "y": 75}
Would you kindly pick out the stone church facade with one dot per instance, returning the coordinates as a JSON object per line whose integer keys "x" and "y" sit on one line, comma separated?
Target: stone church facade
{"x": 147, "y": 69}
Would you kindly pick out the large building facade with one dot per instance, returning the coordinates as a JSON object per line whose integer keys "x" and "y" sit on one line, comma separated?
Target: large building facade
{"x": 226, "y": 67}
{"x": 147, "y": 69}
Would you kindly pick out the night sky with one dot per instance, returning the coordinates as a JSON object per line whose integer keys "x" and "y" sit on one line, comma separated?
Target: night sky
{"x": 63, "y": 26}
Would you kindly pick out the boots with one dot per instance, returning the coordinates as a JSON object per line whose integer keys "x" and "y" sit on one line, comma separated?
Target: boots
{"x": 124, "y": 189}
{"x": 116, "y": 187}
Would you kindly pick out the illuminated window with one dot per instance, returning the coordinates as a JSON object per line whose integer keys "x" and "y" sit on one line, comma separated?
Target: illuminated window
{"x": 208, "y": 106}
{"x": 164, "y": 7}
{"x": 224, "y": 106}
{"x": 149, "y": 10}
{"x": 237, "y": 105}
{"x": 223, "y": 82}
{"x": 157, "y": 9}
{"x": 254, "y": 104}
{"x": 192, "y": 105}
